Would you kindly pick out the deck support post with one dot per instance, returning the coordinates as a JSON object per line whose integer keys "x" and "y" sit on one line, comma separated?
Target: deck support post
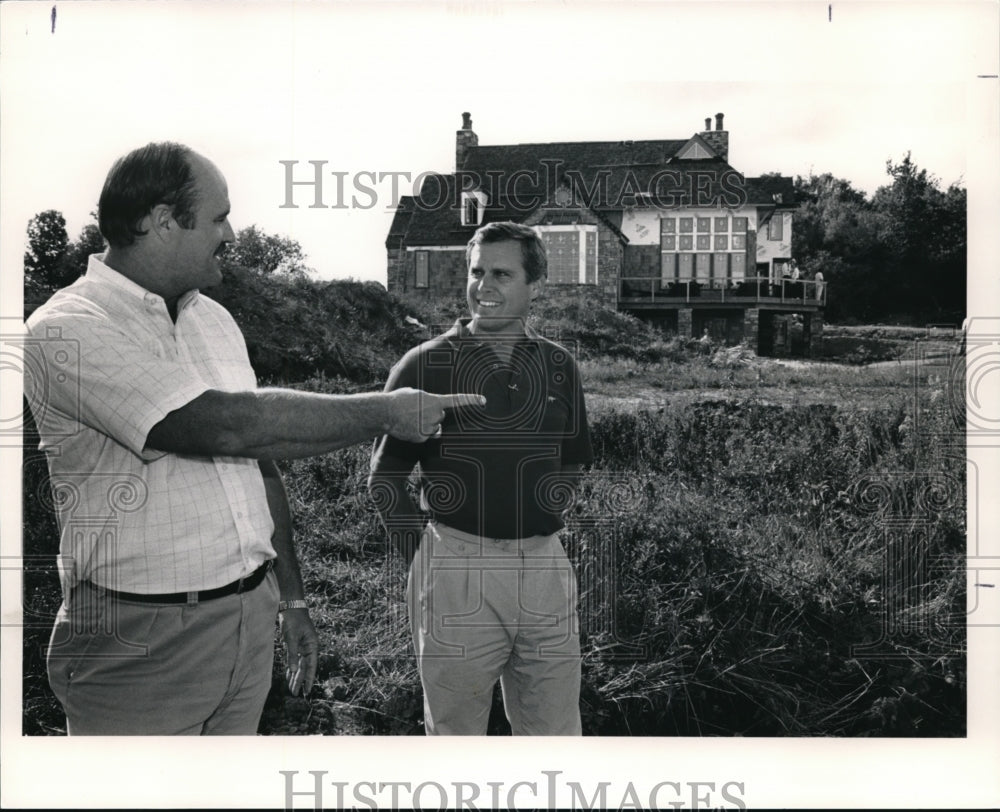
{"x": 684, "y": 322}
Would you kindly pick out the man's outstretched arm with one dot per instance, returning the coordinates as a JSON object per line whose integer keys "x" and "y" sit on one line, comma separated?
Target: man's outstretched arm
{"x": 287, "y": 424}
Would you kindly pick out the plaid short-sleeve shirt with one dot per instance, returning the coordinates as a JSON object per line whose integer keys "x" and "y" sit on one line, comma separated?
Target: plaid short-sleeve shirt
{"x": 104, "y": 363}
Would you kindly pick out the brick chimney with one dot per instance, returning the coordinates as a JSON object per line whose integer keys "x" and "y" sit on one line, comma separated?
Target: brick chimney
{"x": 465, "y": 139}
{"x": 718, "y": 138}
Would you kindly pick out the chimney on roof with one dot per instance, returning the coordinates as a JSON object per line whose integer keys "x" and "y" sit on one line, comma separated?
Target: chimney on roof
{"x": 717, "y": 139}
{"x": 465, "y": 139}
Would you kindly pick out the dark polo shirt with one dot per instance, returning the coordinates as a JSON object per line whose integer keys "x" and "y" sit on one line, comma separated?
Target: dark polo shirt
{"x": 496, "y": 470}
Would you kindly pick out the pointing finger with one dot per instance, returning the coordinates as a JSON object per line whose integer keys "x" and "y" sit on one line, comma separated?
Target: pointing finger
{"x": 453, "y": 401}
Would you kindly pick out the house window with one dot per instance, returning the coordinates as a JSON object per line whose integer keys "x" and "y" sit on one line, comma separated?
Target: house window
{"x": 572, "y": 254}
{"x": 668, "y": 267}
{"x": 668, "y": 242}
{"x": 686, "y": 224}
{"x": 685, "y": 266}
{"x": 721, "y": 242}
{"x": 703, "y": 268}
{"x": 774, "y": 227}
{"x": 739, "y": 267}
{"x": 423, "y": 268}
{"x": 473, "y": 208}
{"x": 739, "y": 225}
{"x": 704, "y": 224}
{"x": 721, "y": 224}
{"x": 739, "y": 242}
{"x": 703, "y": 242}
{"x": 720, "y": 268}
{"x": 687, "y": 242}
{"x": 668, "y": 225}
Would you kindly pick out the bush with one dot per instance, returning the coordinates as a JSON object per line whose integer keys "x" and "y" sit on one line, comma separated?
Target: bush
{"x": 296, "y": 327}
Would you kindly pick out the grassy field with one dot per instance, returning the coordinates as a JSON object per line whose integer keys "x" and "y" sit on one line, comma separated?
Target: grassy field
{"x": 764, "y": 548}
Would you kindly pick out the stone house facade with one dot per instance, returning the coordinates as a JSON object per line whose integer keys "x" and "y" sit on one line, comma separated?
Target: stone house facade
{"x": 667, "y": 230}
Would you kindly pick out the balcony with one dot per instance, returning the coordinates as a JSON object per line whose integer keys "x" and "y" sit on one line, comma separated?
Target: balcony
{"x": 647, "y": 292}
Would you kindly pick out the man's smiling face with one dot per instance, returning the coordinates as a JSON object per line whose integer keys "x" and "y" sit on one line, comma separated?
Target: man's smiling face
{"x": 498, "y": 292}
{"x": 197, "y": 250}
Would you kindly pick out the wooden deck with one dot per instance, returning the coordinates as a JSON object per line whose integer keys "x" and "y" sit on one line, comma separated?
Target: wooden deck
{"x": 806, "y": 295}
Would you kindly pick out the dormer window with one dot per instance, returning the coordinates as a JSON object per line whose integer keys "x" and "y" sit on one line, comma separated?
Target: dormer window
{"x": 696, "y": 150}
{"x": 473, "y": 208}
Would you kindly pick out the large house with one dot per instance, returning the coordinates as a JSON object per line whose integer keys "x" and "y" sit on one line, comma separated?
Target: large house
{"x": 667, "y": 230}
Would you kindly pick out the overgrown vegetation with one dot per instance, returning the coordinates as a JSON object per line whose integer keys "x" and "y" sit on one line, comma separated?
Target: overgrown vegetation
{"x": 746, "y": 568}
{"x": 739, "y": 565}
{"x": 348, "y": 329}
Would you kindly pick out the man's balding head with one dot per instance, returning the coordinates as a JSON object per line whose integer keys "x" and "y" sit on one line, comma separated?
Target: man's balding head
{"x": 158, "y": 173}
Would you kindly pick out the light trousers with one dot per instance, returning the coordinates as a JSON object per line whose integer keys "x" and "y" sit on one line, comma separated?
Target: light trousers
{"x": 125, "y": 668}
{"x": 485, "y": 609}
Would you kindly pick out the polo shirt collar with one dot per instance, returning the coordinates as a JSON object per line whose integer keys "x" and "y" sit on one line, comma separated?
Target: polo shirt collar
{"x": 461, "y": 330}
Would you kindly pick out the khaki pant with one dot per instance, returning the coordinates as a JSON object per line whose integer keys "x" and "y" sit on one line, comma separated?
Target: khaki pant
{"x": 487, "y": 609}
{"x": 124, "y": 668}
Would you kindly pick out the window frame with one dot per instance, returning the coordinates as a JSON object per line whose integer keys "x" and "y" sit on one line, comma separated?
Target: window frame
{"x": 422, "y": 257}
{"x": 587, "y": 270}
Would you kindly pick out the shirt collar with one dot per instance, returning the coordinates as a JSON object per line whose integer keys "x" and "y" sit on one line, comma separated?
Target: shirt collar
{"x": 99, "y": 272}
{"x": 461, "y": 330}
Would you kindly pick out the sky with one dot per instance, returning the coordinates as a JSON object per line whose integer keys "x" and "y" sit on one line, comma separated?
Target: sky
{"x": 380, "y": 87}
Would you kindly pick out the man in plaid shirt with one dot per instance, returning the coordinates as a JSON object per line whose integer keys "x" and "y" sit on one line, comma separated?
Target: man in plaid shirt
{"x": 175, "y": 538}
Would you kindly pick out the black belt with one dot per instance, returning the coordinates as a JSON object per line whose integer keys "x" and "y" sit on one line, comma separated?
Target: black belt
{"x": 245, "y": 584}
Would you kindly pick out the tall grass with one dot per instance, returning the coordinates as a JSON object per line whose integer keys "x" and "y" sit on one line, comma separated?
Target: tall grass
{"x": 745, "y": 568}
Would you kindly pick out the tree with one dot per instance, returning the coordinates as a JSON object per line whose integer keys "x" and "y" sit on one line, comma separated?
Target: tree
{"x": 263, "y": 253}
{"x": 51, "y": 261}
{"x": 901, "y": 254}
{"x": 837, "y": 233}
{"x": 926, "y": 228}
{"x": 831, "y": 217}
{"x": 89, "y": 242}
{"x": 47, "y": 246}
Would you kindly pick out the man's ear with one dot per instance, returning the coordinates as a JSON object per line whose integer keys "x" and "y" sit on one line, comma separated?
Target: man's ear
{"x": 536, "y": 287}
{"x": 159, "y": 221}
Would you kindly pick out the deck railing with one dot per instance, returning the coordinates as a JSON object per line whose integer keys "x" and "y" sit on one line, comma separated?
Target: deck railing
{"x": 635, "y": 289}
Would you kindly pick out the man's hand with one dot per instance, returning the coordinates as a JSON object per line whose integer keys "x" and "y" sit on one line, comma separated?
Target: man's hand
{"x": 301, "y": 650}
{"x": 416, "y": 416}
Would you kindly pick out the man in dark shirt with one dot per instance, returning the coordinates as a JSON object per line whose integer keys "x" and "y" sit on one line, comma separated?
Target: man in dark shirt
{"x": 491, "y": 593}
